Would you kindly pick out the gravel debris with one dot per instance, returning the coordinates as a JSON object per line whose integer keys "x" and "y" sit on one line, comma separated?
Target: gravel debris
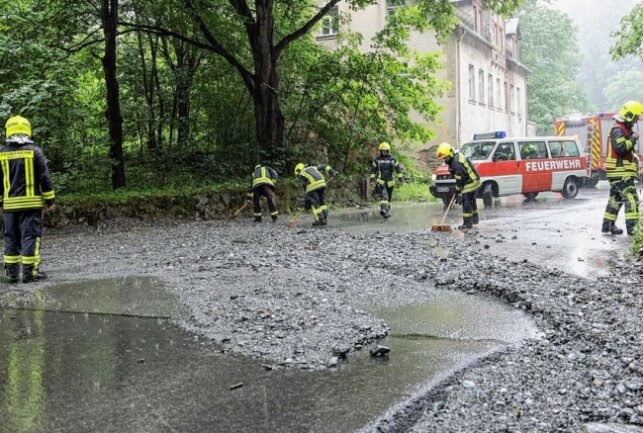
{"x": 296, "y": 297}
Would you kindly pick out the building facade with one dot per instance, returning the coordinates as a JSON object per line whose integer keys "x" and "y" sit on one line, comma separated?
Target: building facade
{"x": 480, "y": 60}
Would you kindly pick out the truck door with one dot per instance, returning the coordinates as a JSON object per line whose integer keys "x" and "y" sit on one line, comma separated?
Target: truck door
{"x": 535, "y": 173}
{"x": 505, "y": 169}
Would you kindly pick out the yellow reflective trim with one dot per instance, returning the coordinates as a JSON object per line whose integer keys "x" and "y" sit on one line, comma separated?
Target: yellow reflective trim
{"x": 29, "y": 260}
{"x": 6, "y": 181}
{"x": 29, "y": 178}
{"x": 16, "y": 154}
{"x": 48, "y": 195}
{"x": 11, "y": 260}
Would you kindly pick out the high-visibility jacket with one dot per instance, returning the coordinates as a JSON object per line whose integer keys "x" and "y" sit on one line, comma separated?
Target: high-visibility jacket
{"x": 26, "y": 182}
{"x": 620, "y": 162}
{"x": 383, "y": 168}
{"x": 311, "y": 177}
{"x": 466, "y": 176}
{"x": 264, "y": 175}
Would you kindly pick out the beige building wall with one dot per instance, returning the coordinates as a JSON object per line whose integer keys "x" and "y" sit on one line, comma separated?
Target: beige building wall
{"x": 467, "y": 109}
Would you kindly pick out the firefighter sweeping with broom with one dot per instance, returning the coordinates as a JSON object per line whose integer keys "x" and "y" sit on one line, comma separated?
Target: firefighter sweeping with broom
{"x": 467, "y": 181}
{"x": 314, "y": 183}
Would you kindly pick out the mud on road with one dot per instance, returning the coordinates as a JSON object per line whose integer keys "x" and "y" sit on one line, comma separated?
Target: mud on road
{"x": 294, "y": 297}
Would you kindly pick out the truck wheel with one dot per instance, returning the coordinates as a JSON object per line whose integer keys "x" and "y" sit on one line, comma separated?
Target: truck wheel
{"x": 530, "y": 196}
{"x": 487, "y": 195}
{"x": 570, "y": 188}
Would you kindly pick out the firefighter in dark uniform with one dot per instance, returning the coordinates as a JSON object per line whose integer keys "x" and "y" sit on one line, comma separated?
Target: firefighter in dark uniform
{"x": 383, "y": 169}
{"x": 314, "y": 184}
{"x": 467, "y": 181}
{"x": 26, "y": 185}
{"x": 621, "y": 166}
{"x": 263, "y": 185}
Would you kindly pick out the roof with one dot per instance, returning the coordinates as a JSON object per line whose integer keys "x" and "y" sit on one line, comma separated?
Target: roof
{"x": 512, "y": 27}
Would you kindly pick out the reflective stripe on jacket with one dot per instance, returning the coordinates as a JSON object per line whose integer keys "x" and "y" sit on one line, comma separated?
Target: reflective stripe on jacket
{"x": 619, "y": 161}
{"x": 383, "y": 167}
{"x": 264, "y": 175}
{"x": 466, "y": 176}
{"x": 312, "y": 179}
{"x": 25, "y": 177}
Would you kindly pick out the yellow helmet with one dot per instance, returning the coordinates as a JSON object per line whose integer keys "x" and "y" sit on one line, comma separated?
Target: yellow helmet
{"x": 17, "y": 125}
{"x": 299, "y": 168}
{"x": 384, "y": 146}
{"x": 444, "y": 150}
{"x": 631, "y": 109}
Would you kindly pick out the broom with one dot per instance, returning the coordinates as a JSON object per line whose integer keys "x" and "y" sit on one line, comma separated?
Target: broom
{"x": 444, "y": 227}
{"x": 293, "y": 220}
{"x": 238, "y": 211}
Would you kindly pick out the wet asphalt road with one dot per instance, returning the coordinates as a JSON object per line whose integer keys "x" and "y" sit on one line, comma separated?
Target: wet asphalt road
{"x": 150, "y": 376}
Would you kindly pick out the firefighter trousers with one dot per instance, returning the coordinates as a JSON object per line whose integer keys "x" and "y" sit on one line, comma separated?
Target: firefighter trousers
{"x": 267, "y": 191}
{"x": 316, "y": 200}
{"x": 384, "y": 193}
{"x": 469, "y": 209}
{"x": 622, "y": 191}
{"x": 22, "y": 233}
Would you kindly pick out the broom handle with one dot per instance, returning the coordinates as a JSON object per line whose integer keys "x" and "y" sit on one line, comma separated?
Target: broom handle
{"x": 448, "y": 208}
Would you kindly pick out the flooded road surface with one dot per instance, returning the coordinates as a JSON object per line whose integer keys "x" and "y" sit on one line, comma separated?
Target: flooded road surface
{"x": 551, "y": 231}
{"x": 98, "y": 356}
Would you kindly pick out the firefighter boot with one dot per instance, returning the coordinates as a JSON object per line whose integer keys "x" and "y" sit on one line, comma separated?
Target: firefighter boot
{"x": 610, "y": 227}
{"x": 30, "y": 274}
{"x": 13, "y": 272}
{"x": 274, "y": 218}
{"x": 257, "y": 219}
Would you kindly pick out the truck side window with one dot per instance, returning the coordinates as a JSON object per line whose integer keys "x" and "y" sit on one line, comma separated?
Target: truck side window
{"x": 570, "y": 148}
{"x": 505, "y": 152}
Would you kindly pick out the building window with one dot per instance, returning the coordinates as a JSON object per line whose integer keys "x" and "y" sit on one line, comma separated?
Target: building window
{"x": 481, "y": 86}
{"x": 498, "y": 93}
{"x": 518, "y": 110}
{"x": 490, "y": 90}
{"x": 472, "y": 83}
{"x": 330, "y": 22}
{"x": 511, "y": 99}
{"x": 391, "y": 5}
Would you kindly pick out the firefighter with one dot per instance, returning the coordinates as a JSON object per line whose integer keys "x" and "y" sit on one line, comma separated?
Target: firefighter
{"x": 383, "y": 169}
{"x": 26, "y": 184}
{"x": 622, "y": 169}
{"x": 467, "y": 181}
{"x": 314, "y": 185}
{"x": 263, "y": 185}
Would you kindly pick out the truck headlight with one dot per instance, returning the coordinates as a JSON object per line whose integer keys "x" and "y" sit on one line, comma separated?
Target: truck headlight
{"x": 434, "y": 177}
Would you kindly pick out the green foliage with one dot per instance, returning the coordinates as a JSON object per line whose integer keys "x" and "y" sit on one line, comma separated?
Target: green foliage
{"x": 637, "y": 241}
{"x": 630, "y": 35}
{"x": 550, "y": 51}
{"x": 413, "y": 191}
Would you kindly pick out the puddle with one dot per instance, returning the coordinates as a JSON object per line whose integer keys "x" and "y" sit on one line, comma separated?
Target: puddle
{"x": 129, "y": 296}
{"x": 108, "y": 372}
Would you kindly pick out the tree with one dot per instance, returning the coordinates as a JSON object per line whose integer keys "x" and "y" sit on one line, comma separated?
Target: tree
{"x": 270, "y": 27}
{"x": 550, "y": 52}
{"x": 630, "y": 35}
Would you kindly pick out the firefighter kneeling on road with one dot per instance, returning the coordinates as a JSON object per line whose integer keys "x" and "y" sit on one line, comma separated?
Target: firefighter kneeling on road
{"x": 314, "y": 184}
{"x": 622, "y": 169}
{"x": 467, "y": 181}
{"x": 25, "y": 185}
{"x": 263, "y": 185}
{"x": 383, "y": 168}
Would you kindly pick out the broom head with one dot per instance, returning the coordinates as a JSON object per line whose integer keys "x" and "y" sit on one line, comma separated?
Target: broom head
{"x": 440, "y": 228}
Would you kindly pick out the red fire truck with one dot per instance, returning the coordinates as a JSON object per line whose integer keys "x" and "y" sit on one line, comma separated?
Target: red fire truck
{"x": 592, "y": 131}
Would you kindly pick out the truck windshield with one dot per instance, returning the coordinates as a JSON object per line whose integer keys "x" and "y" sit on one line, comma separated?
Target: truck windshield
{"x": 478, "y": 150}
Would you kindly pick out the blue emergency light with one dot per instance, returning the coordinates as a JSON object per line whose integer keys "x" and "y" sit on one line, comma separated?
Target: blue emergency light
{"x": 489, "y": 135}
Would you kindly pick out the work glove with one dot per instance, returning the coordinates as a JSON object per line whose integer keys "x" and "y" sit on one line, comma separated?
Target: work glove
{"x": 458, "y": 198}
{"x": 249, "y": 196}
{"x": 334, "y": 173}
{"x": 400, "y": 179}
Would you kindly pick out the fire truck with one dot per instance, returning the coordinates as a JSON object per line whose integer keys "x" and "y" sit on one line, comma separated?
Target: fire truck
{"x": 592, "y": 131}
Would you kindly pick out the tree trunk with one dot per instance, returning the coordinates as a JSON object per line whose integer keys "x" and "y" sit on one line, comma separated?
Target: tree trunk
{"x": 269, "y": 119}
{"x": 113, "y": 112}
